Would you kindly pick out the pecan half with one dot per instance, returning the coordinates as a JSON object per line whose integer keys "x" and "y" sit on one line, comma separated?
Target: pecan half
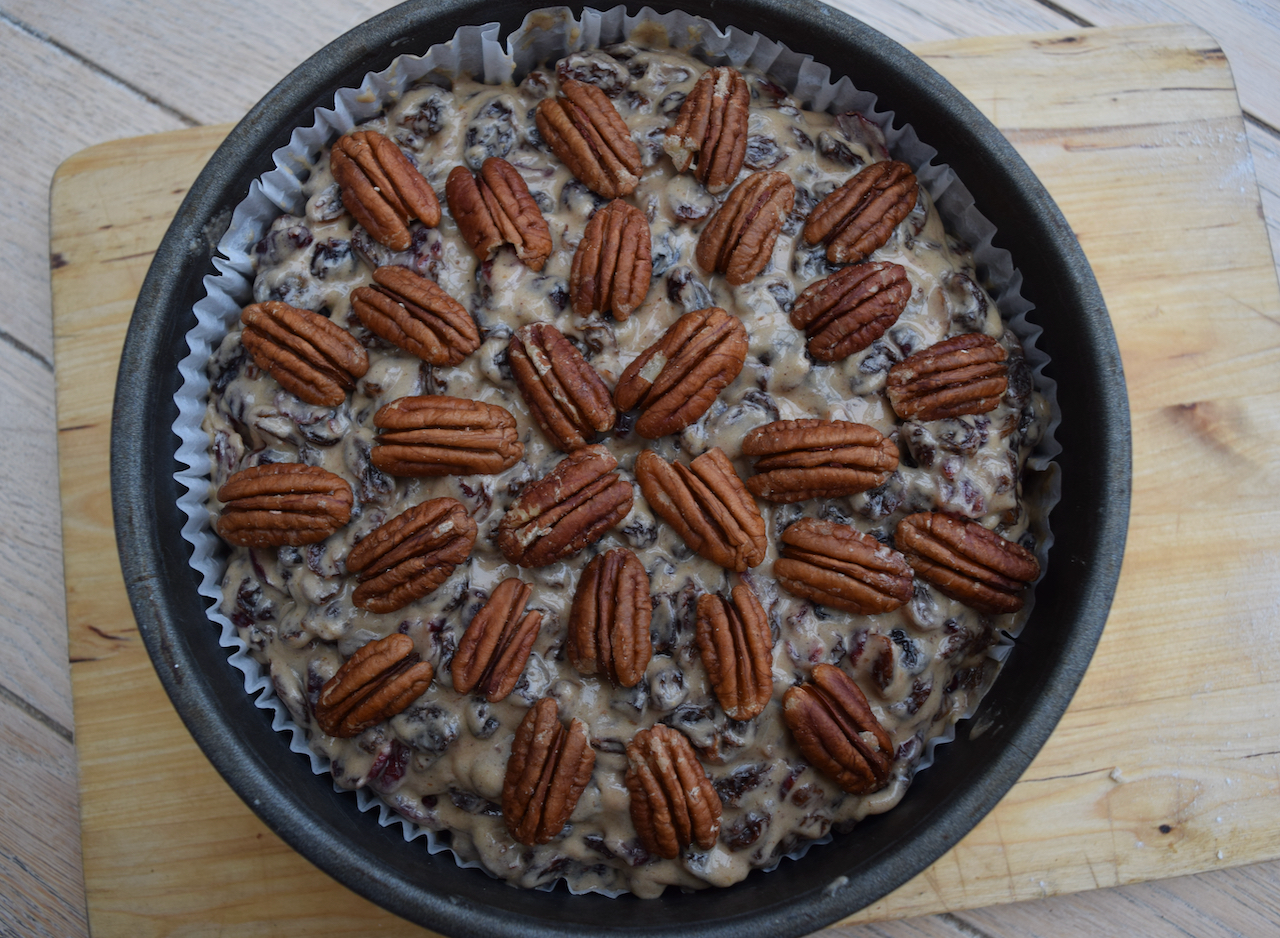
{"x": 831, "y": 721}
{"x": 433, "y": 435}
{"x": 413, "y": 313}
{"x": 496, "y": 208}
{"x": 676, "y": 379}
{"x": 282, "y": 504}
{"x": 564, "y": 511}
{"x": 839, "y": 566}
{"x": 737, "y": 650}
{"x": 380, "y": 680}
{"x": 708, "y": 506}
{"x": 549, "y": 766}
{"x": 587, "y": 133}
{"x": 614, "y": 262}
{"x": 711, "y": 129}
{"x": 410, "y": 555}
{"x": 310, "y": 355}
{"x": 810, "y": 458}
{"x": 494, "y": 649}
{"x": 382, "y": 188}
{"x": 966, "y": 561}
{"x": 738, "y": 241}
{"x": 609, "y": 620}
{"x": 965, "y": 374}
{"x": 565, "y": 395}
{"x": 673, "y": 803}
{"x": 859, "y": 216}
{"x": 849, "y": 310}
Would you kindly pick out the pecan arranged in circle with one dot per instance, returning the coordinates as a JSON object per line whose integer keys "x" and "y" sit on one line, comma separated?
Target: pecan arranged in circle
{"x": 310, "y": 355}
{"x": 839, "y": 566}
{"x": 609, "y": 620}
{"x": 433, "y": 435}
{"x": 282, "y": 504}
{"x": 737, "y": 650}
{"x": 966, "y": 561}
{"x": 614, "y": 262}
{"x": 738, "y": 241}
{"x": 965, "y": 374}
{"x": 859, "y": 217}
{"x": 382, "y": 188}
{"x": 413, "y": 313}
{"x": 849, "y": 310}
{"x": 674, "y": 381}
{"x": 673, "y": 803}
{"x": 564, "y": 511}
{"x": 831, "y": 721}
{"x": 711, "y": 130}
{"x": 549, "y": 766}
{"x": 410, "y": 555}
{"x": 708, "y": 506}
{"x": 811, "y": 458}
{"x": 587, "y": 133}
{"x": 565, "y": 395}
{"x": 494, "y": 649}
{"x": 380, "y": 680}
{"x": 496, "y": 208}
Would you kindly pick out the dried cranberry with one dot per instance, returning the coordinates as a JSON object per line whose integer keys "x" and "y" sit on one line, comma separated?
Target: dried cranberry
{"x": 745, "y": 831}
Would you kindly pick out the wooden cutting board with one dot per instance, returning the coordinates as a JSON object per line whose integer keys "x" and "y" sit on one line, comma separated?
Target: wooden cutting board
{"x": 1167, "y": 762}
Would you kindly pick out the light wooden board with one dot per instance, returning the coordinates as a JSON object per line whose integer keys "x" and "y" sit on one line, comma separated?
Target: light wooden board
{"x": 1138, "y": 135}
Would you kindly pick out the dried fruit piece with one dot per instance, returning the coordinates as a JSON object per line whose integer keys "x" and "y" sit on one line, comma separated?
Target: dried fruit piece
{"x": 810, "y": 458}
{"x": 849, "y": 310}
{"x": 496, "y": 208}
{"x": 673, "y": 803}
{"x": 587, "y": 133}
{"x": 382, "y": 188}
{"x": 549, "y": 766}
{"x": 711, "y": 130}
{"x": 737, "y": 650}
{"x": 614, "y": 262}
{"x": 380, "y": 680}
{"x": 859, "y": 216}
{"x": 565, "y": 395}
{"x": 965, "y": 374}
{"x": 839, "y": 566}
{"x": 966, "y": 561}
{"x": 831, "y": 722}
{"x": 609, "y": 621}
{"x": 738, "y": 241}
{"x": 311, "y": 356}
{"x": 282, "y": 504}
{"x": 413, "y": 313}
{"x": 433, "y": 435}
{"x": 496, "y": 645}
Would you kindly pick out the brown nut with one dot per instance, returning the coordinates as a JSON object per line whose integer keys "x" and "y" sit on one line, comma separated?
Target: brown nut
{"x": 810, "y": 458}
{"x": 566, "y": 396}
{"x": 549, "y": 766}
{"x": 311, "y": 356}
{"x": 609, "y": 620}
{"x": 839, "y": 566}
{"x": 859, "y": 216}
{"x": 737, "y": 650}
{"x": 433, "y": 435}
{"x": 708, "y": 506}
{"x": 496, "y": 208}
{"x": 413, "y": 313}
{"x": 410, "y": 555}
{"x": 673, "y": 803}
{"x": 849, "y": 310}
{"x": 966, "y": 561}
{"x": 282, "y": 504}
{"x": 831, "y": 720}
{"x": 711, "y": 130}
{"x": 738, "y": 241}
{"x": 494, "y": 649}
{"x": 614, "y": 262}
{"x": 380, "y": 680}
{"x": 965, "y": 374}
{"x": 674, "y": 381}
{"x": 382, "y": 188}
{"x": 587, "y": 133}
{"x": 570, "y": 507}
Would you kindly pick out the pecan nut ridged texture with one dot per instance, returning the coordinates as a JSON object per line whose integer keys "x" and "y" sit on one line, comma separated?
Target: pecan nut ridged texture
{"x": 736, "y": 645}
{"x": 610, "y": 617}
{"x": 549, "y": 767}
{"x": 496, "y": 208}
{"x": 613, "y": 264}
{"x": 381, "y": 187}
{"x": 380, "y": 680}
{"x": 413, "y": 313}
{"x": 410, "y": 555}
{"x": 586, "y": 132}
{"x": 966, "y": 561}
{"x": 710, "y": 131}
{"x": 495, "y": 648}
{"x": 566, "y": 396}
{"x": 965, "y": 374}
{"x": 847, "y": 311}
{"x": 738, "y": 241}
{"x": 282, "y": 504}
{"x": 434, "y": 435}
{"x": 708, "y": 506}
{"x": 812, "y": 458}
{"x": 830, "y": 719}
{"x": 566, "y": 510}
{"x": 311, "y": 356}
{"x": 673, "y": 803}
{"x": 674, "y": 381}
{"x": 839, "y": 566}
{"x": 859, "y": 217}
